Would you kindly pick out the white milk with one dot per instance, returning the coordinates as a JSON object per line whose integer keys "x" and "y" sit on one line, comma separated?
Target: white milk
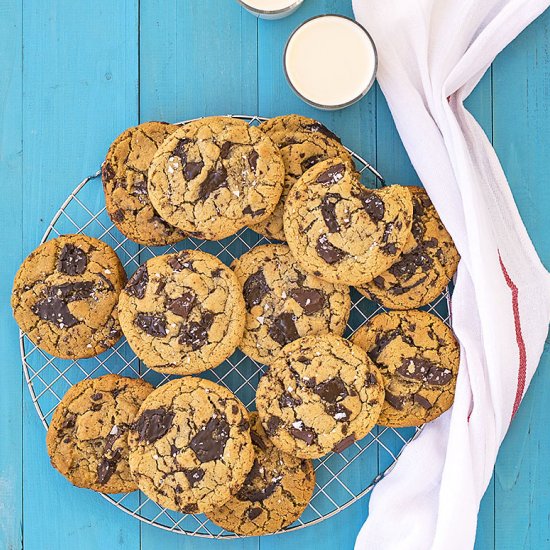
{"x": 271, "y": 9}
{"x": 330, "y": 61}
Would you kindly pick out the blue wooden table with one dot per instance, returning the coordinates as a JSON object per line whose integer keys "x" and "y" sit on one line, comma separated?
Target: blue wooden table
{"x": 73, "y": 74}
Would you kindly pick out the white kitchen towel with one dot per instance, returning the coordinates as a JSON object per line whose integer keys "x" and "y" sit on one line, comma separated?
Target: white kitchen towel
{"x": 432, "y": 53}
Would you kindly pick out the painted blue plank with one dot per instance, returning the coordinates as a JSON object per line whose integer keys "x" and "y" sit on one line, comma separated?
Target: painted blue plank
{"x": 11, "y": 423}
{"x": 79, "y": 90}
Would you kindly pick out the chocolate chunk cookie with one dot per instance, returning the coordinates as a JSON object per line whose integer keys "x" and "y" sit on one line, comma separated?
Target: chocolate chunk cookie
{"x": 190, "y": 445}
{"x": 284, "y": 303}
{"x": 124, "y": 175}
{"x": 214, "y": 178}
{"x": 321, "y": 394}
{"x": 65, "y": 295}
{"x": 341, "y": 231}
{"x": 300, "y": 151}
{"x": 88, "y": 436}
{"x": 290, "y": 124}
{"x": 425, "y": 267}
{"x": 183, "y": 313}
{"x": 418, "y": 357}
{"x": 275, "y": 492}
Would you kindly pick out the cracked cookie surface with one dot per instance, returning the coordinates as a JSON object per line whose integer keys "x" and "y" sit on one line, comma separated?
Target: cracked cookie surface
{"x": 321, "y": 394}
{"x": 424, "y": 269}
{"x": 300, "y": 150}
{"x": 124, "y": 175}
{"x": 418, "y": 357}
{"x": 182, "y": 313}
{"x": 276, "y": 491}
{"x": 87, "y": 438}
{"x": 296, "y": 123}
{"x": 190, "y": 445}
{"x": 65, "y": 296}
{"x": 284, "y": 303}
{"x": 215, "y": 177}
{"x": 341, "y": 231}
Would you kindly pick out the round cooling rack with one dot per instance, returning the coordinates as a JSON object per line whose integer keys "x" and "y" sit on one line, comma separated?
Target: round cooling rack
{"x": 342, "y": 479}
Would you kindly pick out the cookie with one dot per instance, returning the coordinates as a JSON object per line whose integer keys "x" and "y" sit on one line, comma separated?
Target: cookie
{"x": 291, "y": 124}
{"x": 190, "y": 445}
{"x": 124, "y": 175}
{"x": 321, "y": 394}
{"x": 341, "y": 231}
{"x": 65, "y": 296}
{"x": 214, "y": 178}
{"x": 418, "y": 357}
{"x": 182, "y": 313}
{"x": 424, "y": 269}
{"x": 88, "y": 436}
{"x": 284, "y": 303}
{"x": 300, "y": 151}
{"x": 275, "y": 492}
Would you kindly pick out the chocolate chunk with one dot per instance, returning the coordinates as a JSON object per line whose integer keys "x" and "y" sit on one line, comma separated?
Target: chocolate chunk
{"x": 179, "y": 262}
{"x": 192, "y": 169}
{"x": 180, "y": 150}
{"x": 300, "y": 431}
{"x": 382, "y": 340}
{"x": 253, "y": 513}
{"x": 273, "y": 425}
{"x": 190, "y": 508}
{"x": 253, "y": 159}
{"x": 140, "y": 187}
{"x": 118, "y": 215}
{"x": 250, "y": 492}
{"x": 55, "y": 310}
{"x": 193, "y": 475}
{"x": 225, "y": 148}
{"x": 107, "y": 467}
{"x": 195, "y": 334}
{"x": 153, "y": 424}
{"x": 161, "y": 286}
{"x": 338, "y": 412}
{"x": 328, "y": 210}
{"x": 154, "y": 325}
{"x": 69, "y": 422}
{"x": 390, "y": 249}
{"x": 111, "y": 438}
{"x": 72, "y": 260}
{"x": 303, "y": 359}
{"x": 174, "y": 450}
{"x": 72, "y": 292}
{"x": 182, "y": 306}
{"x": 331, "y": 176}
{"x": 395, "y": 401}
{"x": 318, "y": 127}
{"x": 258, "y": 441}
{"x": 327, "y": 251}
{"x": 422, "y": 401}
{"x": 215, "y": 179}
{"x": 288, "y": 400}
{"x": 96, "y": 396}
{"x": 254, "y": 213}
{"x": 255, "y": 288}
{"x": 310, "y": 300}
{"x": 379, "y": 282}
{"x": 409, "y": 263}
{"x": 371, "y": 380}
{"x": 217, "y": 273}
{"x": 209, "y": 442}
{"x": 107, "y": 172}
{"x": 424, "y": 370}
{"x": 372, "y": 204}
{"x": 344, "y": 444}
{"x": 283, "y": 330}
{"x": 331, "y": 390}
{"x": 306, "y": 164}
{"x": 138, "y": 282}
{"x": 110, "y": 286}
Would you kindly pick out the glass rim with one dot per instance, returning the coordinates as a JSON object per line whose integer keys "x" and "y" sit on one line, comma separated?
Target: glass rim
{"x": 294, "y": 5}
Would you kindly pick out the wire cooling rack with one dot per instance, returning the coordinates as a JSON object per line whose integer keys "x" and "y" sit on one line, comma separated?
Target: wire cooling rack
{"x": 342, "y": 479}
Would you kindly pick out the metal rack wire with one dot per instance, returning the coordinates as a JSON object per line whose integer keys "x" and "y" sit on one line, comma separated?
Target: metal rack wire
{"x": 342, "y": 479}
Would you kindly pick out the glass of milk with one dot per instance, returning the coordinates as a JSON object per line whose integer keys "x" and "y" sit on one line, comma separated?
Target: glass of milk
{"x": 330, "y": 61}
{"x": 271, "y": 9}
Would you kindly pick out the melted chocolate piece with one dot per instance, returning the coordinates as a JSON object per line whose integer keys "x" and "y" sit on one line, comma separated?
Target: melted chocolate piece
{"x": 107, "y": 172}
{"x": 254, "y": 213}
{"x": 140, "y": 187}
{"x": 327, "y": 251}
{"x": 182, "y": 306}
{"x": 283, "y": 330}
{"x": 173, "y": 450}
{"x": 107, "y": 467}
{"x": 304, "y": 433}
{"x": 192, "y": 169}
{"x": 195, "y": 334}
{"x": 154, "y": 325}
{"x": 209, "y": 442}
{"x": 273, "y": 425}
{"x": 225, "y": 148}
{"x": 371, "y": 380}
{"x": 216, "y": 179}
{"x": 254, "y": 289}
{"x": 253, "y": 494}
{"x": 310, "y": 300}
{"x": 96, "y": 396}
{"x": 331, "y": 390}
{"x": 110, "y": 286}
{"x": 424, "y": 370}
{"x": 69, "y": 422}
{"x": 153, "y": 424}
{"x": 55, "y": 310}
{"x": 306, "y": 164}
{"x": 180, "y": 262}
{"x": 72, "y": 292}
{"x": 193, "y": 475}
{"x": 138, "y": 283}
{"x": 390, "y": 249}
{"x": 253, "y": 513}
{"x": 253, "y": 159}
{"x": 328, "y": 210}
{"x": 318, "y": 127}
{"x": 118, "y": 215}
{"x": 395, "y": 401}
{"x": 331, "y": 176}
{"x": 344, "y": 444}
{"x": 180, "y": 150}
{"x": 258, "y": 441}
{"x": 161, "y": 286}
{"x": 338, "y": 412}
{"x": 72, "y": 260}
{"x": 409, "y": 263}
{"x": 379, "y": 282}
{"x": 382, "y": 340}
{"x": 372, "y": 204}
{"x": 288, "y": 400}
{"x": 422, "y": 401}
{"x": 217, "y": 272}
